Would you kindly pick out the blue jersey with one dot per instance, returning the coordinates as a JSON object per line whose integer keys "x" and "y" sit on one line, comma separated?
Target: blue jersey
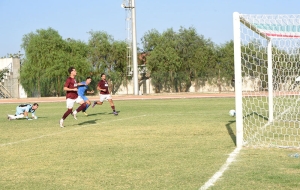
{"x": 82, "y": 89}
{"x": 24, "y": 108}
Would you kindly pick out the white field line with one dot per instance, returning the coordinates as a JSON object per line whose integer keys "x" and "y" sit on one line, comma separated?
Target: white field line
{"x": 229, "y": 160}
{"x": 219, "y": 173}
{"x": 58, "y": 133}
{"x": 208, "y": 184}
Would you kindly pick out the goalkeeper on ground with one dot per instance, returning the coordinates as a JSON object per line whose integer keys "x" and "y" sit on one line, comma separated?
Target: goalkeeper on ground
{"x": 23, "y": 110}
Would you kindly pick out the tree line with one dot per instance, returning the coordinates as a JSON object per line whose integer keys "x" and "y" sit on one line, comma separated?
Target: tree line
{"x": 174, "y": 60}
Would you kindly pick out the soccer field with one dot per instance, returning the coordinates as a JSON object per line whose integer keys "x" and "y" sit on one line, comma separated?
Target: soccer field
{"x": 152, "y": 144}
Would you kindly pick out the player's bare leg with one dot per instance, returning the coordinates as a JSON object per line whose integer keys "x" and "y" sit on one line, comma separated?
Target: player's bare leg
{"x": 81, "y": 107}
{"x": 61, "y": 121}
{"x": 88, "y": 103}
{"x": 97, "y": 103}
{"x": 112, "y": 106}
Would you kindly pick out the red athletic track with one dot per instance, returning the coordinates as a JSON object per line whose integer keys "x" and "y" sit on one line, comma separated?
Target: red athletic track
{"x": 123, "y": 97}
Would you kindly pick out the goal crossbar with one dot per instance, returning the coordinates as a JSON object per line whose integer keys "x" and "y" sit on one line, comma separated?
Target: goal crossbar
{"x": 267, "y": 81}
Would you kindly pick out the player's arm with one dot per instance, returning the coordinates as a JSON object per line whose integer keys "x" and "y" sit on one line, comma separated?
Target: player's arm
{"x": 26, "y": 110}
{"x": 101, "y": 88}
{"x": 70, "y": 89}
{"x": 80, "y": 84}
{"x": 66, "y": 87}
{"x": 90, "y": 92}
{"x": 33, "y": 115}
{"x": 98, "y": 86}
{"x": 25, "y": 114}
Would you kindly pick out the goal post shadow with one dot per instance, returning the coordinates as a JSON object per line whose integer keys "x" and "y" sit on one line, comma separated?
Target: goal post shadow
{"x": 229, "y": 125}
{"x": 230, "y": 131}
{"x": 255, "y": 113}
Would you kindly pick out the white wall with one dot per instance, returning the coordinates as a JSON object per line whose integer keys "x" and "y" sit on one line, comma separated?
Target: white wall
{"x": 12, "y": 81}
{"x": 249, "y": 84}
{"x": 123, "y": 90}
{"x": 5, "y": 62}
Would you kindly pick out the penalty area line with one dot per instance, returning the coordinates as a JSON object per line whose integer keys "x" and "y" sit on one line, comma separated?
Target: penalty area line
{"x": 219, "y": 173}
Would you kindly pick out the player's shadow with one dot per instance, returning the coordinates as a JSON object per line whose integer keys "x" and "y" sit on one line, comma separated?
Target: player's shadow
{"x": 102, "y": 113}
{"x": 89, "y": 122}
{"x": 229, "y": 128}
{"x": 95, "y": 114}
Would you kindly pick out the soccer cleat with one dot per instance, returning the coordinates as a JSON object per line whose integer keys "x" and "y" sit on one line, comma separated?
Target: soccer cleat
{"x": 94, "y": 104}
{"x": 74, "y": 115}
{"x": 61, "y": 122}
{"x": 9, "y": 118}
{"x": 115, "y": 113}
{"x": 85, "y": 113}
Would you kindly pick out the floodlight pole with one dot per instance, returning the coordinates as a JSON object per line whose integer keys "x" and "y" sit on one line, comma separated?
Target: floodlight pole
{"x": 134, "y": 50}
{"x": 130, "y": 4}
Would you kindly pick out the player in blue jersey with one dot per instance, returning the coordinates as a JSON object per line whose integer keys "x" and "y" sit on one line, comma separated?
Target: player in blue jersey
{"x": 23, "y": 110}
{"x": 82, "y": 90}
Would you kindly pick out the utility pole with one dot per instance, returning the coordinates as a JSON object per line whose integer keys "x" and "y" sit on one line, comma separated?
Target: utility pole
{"x": 129, "y": 5}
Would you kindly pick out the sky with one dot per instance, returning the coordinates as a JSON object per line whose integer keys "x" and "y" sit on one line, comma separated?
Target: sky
{"x": 75, "y": 18}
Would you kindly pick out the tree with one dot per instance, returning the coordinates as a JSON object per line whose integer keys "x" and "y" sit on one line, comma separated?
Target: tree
{"x": 108, "y": 56}
{"x": 198, "y": 56}
{"x": 48, "y": 57}
{"x": 163, "y": 61}
{"x": 226, "y": 61}
{"x": 40, "y": 48}
{"x": 175, "y": 59}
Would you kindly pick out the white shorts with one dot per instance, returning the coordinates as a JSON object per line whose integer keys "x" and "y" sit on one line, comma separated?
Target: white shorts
{"x": 71, "y": 102}
{"x": 105, "y": 97}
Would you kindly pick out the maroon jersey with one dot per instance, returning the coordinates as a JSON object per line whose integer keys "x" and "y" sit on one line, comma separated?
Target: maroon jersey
{"x": 71, "y": 83}
{"x": 103, "y": 85}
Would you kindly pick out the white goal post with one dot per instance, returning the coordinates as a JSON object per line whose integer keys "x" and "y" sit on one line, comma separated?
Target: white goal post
{"x": 267, "y": 80}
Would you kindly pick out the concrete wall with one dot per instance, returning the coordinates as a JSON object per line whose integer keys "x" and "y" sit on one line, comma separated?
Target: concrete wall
{"x": 5, "y": 62}
{"x": 147, "y": 88}
{"x": 11, "y": 81}
{"x": 249, "y": 84}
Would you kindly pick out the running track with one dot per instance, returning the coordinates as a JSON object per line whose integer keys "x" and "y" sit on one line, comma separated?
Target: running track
{"x": 124, "y": 97}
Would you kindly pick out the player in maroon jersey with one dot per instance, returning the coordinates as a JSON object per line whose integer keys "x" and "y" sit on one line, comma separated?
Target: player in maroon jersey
{"x": 104, "y": 94}
{"x": 71, "y": 88}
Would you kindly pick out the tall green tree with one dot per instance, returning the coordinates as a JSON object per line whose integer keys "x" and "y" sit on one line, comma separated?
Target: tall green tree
{"x": 198, "y": 56}
{"x": 107, "y": 56}
{"x": 47, "y": 58}
{"x": 40, "y": 49}
{"x": 163, "y": 61}
{"x": 73, "y": 53}
{"x": 175, "y": 59}
{"x": 226, "y": 62}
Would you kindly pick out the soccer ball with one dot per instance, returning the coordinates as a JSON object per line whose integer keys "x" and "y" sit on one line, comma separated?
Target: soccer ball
{"x": 35, "y": 117}
{"x": 232, "y": 113}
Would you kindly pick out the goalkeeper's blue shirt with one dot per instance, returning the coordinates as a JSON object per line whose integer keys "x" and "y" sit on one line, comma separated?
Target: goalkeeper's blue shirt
{"x": 24, "y": 108}
{"x": 82, "y": 89}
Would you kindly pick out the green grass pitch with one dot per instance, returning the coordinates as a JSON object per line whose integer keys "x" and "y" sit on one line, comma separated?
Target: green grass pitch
{"x": 151, "y": 144}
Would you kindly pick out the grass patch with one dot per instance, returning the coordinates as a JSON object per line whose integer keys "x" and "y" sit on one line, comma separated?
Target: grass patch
{"x": 152, "y": 144}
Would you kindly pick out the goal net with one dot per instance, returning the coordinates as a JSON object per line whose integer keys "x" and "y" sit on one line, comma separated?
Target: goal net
{"x": 267, "y": 80}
